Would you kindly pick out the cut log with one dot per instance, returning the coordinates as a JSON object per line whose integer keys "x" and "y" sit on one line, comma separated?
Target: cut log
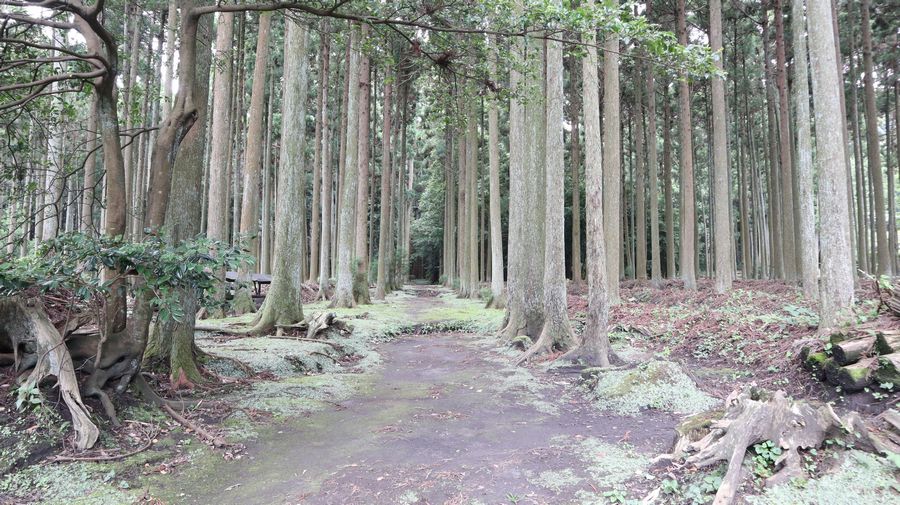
{"x": 853, "y": 377}
{"x": 851, "y": 351}
{"x": 817, "y": 362}
{"x": 887, "y": 342}
{"x": 888, "y": 369}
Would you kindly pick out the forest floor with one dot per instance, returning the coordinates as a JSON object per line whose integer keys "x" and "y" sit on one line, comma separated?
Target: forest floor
{"x": 421, "y": 404}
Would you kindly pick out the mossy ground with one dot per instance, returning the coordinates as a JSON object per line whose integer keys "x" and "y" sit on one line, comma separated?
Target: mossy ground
{"x": 660, "y": 385}
{"x": 859, "y": 478}
{"x": 441, "y": 418}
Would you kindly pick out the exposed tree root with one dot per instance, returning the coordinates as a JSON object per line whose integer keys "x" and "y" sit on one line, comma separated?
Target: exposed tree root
{"x": 752, "y": 416}
{"x": 24, "y": 324}
{"x": 556, "y": 336}
{"x": 513, "y": 326}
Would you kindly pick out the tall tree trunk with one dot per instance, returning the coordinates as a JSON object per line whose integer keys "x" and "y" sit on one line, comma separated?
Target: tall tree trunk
{"x": 594, "y": 348}
{"x": 883, "y": 251}
{"x": 282, "y": 305}
{"x": 127, "y": 99}
{"x": 667, "y": 181}
{"x": 773, "y": 159}
{"x": 265, "y": 249}
{"x": 220, "y": 148}
{"x": 862, "y": 255}
{"x": 784, "y": 131}
{"x": 836, "y": 289}
{"x": 525, "y": 280}
{"x": 722, "y": 199}
{"x": 343, "y": 295}
{"x": 575, "y": 107}
{"x": 171, "y": 32}
{"x": 612, "y": 165}
{"x": 688, "y": 218}
{"x": 237, "y": 115}
{"x": 361, "y": 283}
{"x": 314, "y": 228}
{"x": 808, "y": 247}
{"x": 498, "y": 294}
{"x": 90, "y": 175}
{"x": 243, "y": 301}
{"x": 653, "y": 164}
{"x": 172, "y": 342}
{"x": 342, "y": 156}
{"x": 640, "y": 182}
{"x": 471, "y": 202}
{"x": 385, "y": 211}
{"x": 326, "y": 175}
{"x": 557, "y": 331}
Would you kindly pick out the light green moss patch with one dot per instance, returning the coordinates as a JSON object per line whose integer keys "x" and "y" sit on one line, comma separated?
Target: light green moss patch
{"x": 606, "y": 467}
{"x": 298, "y": 395}
{"x": 861, "y": 478}
{"x": 655, "y": 384}
{"x": 408, "y": 498}
{"x": 65, "y": 484}
{"x": 557, "y": 480}
{"x": 284, "y": 358}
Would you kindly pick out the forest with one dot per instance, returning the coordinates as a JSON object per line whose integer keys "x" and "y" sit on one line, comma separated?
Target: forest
{"x": 449, "y": 252}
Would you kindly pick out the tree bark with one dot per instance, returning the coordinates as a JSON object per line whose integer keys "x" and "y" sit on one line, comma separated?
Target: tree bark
{"x": 594, "y": 347}
{"x": 314, "y": 228}
{"x": 667, "y": 176}
{"x": 789, "y": 230}
{"x": 808, "y": 250}
{"x": 249, "y": 230}
{"x": 361, "y": 283}
{"x": 722, "y": 200}
{"x": 498, "y": 293}
{"x": 220, "y": 143}
{"x": 612, "y": 166}
{"x": 282, "y": 305}
{"x": 326, "y": 176}
{"x": 343, "y": 296}
{"x": 688, "y": 218}
{"x": 557, "y": 331}
{"x": 836, "y": 289}
{"x": 172, "y": 343}
{"x": 385, "y": 211}
{"x": 653, "y": 164}
{"x": 883, "y": 251}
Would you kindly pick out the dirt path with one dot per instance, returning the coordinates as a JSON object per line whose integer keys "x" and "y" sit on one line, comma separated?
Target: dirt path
{"x": 446, "y": 420}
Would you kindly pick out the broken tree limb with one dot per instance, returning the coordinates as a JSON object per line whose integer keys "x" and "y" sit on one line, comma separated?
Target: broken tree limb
{"x": 204, "y": 435}
{"x": 24, "y": 321}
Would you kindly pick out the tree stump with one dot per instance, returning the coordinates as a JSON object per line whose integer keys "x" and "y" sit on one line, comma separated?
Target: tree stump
{"x": 752, "y": 416}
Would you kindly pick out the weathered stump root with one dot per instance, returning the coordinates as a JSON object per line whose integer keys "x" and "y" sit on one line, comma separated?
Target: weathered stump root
{"x": 752, "y": 416}
{"x": 24, "y": 323}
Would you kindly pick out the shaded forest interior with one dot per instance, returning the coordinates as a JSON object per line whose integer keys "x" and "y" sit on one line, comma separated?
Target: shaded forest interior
{"x": 702, "y": 193}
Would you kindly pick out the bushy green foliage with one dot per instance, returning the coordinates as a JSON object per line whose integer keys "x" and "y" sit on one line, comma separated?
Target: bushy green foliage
{"x": 73, "y": 263}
